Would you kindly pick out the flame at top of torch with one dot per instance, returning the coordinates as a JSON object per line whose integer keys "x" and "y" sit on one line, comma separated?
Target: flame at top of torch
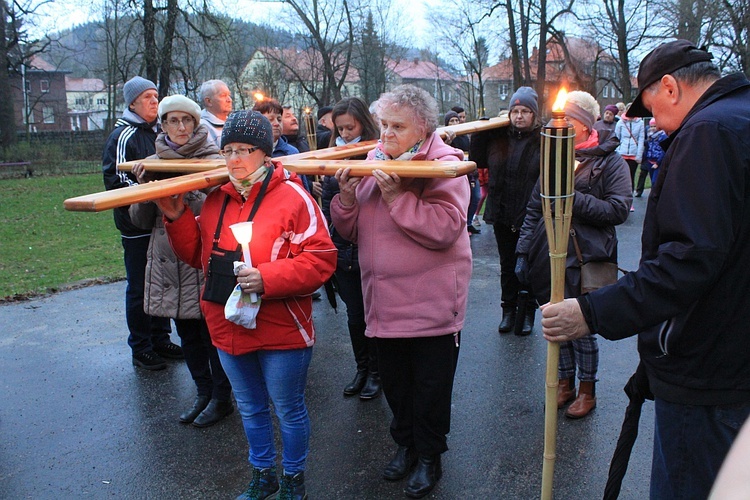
{"x": 559, "y": 105}
{"x": 307, "y": 110}
{"x": 258, "y": 96}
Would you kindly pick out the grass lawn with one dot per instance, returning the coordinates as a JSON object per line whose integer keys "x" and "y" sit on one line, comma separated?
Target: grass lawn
{"x": 43, "y": 247}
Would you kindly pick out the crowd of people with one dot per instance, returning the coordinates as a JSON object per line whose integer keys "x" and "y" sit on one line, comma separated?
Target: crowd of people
{"x": 397, "y": 251}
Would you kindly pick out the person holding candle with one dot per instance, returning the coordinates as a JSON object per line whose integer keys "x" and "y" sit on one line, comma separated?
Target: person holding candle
{"x": 353, "y": 123}
{"x": 415, "y": 260}
{"x": 172, "y": 287}
{"x": 688, "y": 297}
{"x": 292, "y": 256}
{"x": 511, "y": 155}
{"x": 601, "y": 201}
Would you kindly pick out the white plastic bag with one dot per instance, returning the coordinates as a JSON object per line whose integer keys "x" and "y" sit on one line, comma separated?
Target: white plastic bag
{"x": 240, "y": 308}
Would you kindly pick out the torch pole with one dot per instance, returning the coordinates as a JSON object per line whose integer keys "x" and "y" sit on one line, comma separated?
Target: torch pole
{"x": 311, "y": 132}
{"x": 556, "y": 181}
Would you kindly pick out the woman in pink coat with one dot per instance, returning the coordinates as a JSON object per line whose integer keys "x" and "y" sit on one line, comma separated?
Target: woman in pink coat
{"x": 415, "y": 261}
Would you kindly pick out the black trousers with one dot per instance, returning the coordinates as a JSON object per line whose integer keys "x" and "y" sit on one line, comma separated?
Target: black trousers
{"x": 507, "y": 239}
{"x": 417, "y": 377}
{"x": 145, "y": 331}
{"x": 202, "y": 359}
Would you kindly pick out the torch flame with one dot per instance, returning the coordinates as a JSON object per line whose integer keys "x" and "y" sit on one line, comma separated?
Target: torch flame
{"x": 307, "y": 110}
{"x": 559, "y": 105}
{"x": 258, "y": 96}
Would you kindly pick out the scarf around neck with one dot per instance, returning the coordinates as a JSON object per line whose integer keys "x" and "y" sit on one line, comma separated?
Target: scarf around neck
{"x": 243, "y": 186}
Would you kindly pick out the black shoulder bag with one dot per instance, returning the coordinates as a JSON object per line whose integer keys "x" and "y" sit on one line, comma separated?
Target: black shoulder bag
{"x": 220, "y": 278}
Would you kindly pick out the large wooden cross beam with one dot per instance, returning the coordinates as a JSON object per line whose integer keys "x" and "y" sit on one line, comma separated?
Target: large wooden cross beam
{"x": 207, "y": 173}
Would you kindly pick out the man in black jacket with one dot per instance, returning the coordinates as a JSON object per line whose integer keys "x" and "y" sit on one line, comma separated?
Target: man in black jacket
{"x": 690, "y": 294}
{"x": 512, "y": 156}
{"x": 134, "y": 138}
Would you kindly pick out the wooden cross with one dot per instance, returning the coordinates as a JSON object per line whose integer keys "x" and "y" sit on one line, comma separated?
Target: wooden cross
{"x": 202, "y": 174}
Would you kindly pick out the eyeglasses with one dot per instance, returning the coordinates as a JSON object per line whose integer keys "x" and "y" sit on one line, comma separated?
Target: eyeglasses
{"x": 521, "y": 112}
{"x": 226, "y": 153}
{"x": 186, "y": 122}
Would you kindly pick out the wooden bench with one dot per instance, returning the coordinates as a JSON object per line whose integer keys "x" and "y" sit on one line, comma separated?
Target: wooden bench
{"x": 14, "y": 169}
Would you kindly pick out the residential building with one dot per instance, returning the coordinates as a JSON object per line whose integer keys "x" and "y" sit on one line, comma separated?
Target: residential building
{"x": 583, "y": 66}
{"x": 87, "y": 102}
{"x": 39, "y": 98}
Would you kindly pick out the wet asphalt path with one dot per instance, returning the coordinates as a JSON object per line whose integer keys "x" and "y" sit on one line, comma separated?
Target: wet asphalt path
{"x": 77, "y": 420}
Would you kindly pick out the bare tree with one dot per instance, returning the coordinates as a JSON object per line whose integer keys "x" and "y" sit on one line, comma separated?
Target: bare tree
{"x": 17, "y": 48}
{"x": 326, "y": 33}
{"x": 621, "y": 27}
{"x": 460, "y": 29}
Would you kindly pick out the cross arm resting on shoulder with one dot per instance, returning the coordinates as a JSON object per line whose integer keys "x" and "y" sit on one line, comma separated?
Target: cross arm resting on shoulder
{"x": 564, "y": 321}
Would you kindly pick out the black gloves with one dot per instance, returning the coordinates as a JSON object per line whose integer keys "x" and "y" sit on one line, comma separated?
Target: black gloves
{"x": 522, "y": 270}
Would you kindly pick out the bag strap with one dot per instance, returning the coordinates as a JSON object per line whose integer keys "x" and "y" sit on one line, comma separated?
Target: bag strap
{"x": 253, "y": 210}
{"x": 579, "y": 256}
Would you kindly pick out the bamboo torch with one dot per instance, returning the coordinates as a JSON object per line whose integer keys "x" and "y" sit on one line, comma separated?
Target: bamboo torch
{"x": 312, "y": 140}
{"x": 556, "y": 180}
{"x": 310, "y": 129}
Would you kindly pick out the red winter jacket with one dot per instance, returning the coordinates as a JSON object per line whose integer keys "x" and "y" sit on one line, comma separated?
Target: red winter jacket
{"x": 290, "y": 247}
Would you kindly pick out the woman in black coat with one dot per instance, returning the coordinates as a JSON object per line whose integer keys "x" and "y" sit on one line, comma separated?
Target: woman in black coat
{"x": 602, "y": 200}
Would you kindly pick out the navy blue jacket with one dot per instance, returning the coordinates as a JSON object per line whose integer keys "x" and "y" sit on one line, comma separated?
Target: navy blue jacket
{"x": 130, "y": 140}
{"x": 690, "y": 296}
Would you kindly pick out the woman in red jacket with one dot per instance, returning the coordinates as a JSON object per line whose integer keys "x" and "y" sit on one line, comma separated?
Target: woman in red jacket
{"x": 292, "y": 256}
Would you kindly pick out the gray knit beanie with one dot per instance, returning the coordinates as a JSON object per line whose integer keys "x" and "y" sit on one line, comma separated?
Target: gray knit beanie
{"x": 248, "y": 127}
{"x": 525, "y": 96}
{"x": 135, "y": 87}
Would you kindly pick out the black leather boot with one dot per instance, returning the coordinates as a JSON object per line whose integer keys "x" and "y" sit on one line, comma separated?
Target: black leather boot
{"x": 528, "y": 321}
{"x": 215, "y": 411}
{"x": 424, "y": 477}
{"x": 372, "y": 387}
{"x": 508, "y": 321}
{"x": 357, "y": 383}
{"x": 199, "y": 405}
{"x": 401, "y": 463}
{"x": 361, "y": 356}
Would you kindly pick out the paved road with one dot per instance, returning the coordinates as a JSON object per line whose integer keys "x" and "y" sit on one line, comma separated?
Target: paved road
{"x": 77, "y": 420}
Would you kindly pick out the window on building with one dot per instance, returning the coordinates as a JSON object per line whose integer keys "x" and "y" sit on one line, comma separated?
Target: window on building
{"x": 28, "y": 86}
{"x": 48, "y": 114}
{"x": 80, "y": 101}
{"x": 502, "y": 91}
{"x": 605, "y": 91}
{"x": 44, "y": 85}
{"x": 102, "y": 101}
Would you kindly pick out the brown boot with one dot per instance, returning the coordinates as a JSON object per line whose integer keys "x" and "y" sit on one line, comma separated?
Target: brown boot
{"x": 584, "y": 403}
{"x": 566, "y": 391}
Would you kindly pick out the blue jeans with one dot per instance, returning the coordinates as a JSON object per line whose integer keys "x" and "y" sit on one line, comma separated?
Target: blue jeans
{"x": 280, "y": 375}
{"x": 690, "y": 443}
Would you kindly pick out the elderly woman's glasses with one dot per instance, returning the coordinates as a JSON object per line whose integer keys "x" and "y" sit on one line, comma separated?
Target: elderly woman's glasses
{"x": 186, "y": 122}
{"x": 520, "y": 112}
{"x": 226, "y": 153}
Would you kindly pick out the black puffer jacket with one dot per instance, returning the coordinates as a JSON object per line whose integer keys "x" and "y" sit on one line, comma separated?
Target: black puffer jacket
{"x": 602, "y": 201}
{"x": 512, "y": 158}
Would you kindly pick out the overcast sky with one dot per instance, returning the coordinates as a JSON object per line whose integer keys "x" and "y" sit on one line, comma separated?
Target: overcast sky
{"x": 62, "y": 14}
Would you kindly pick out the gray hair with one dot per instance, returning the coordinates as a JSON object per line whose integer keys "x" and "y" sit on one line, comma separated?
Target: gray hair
{"x": 692, "y": 74}
{"x": 423, "y": 106}
{"x": 208, "y": 89}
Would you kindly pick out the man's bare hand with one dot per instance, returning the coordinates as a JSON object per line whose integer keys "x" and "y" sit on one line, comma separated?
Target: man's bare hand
{"x": 563, "y": 321}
